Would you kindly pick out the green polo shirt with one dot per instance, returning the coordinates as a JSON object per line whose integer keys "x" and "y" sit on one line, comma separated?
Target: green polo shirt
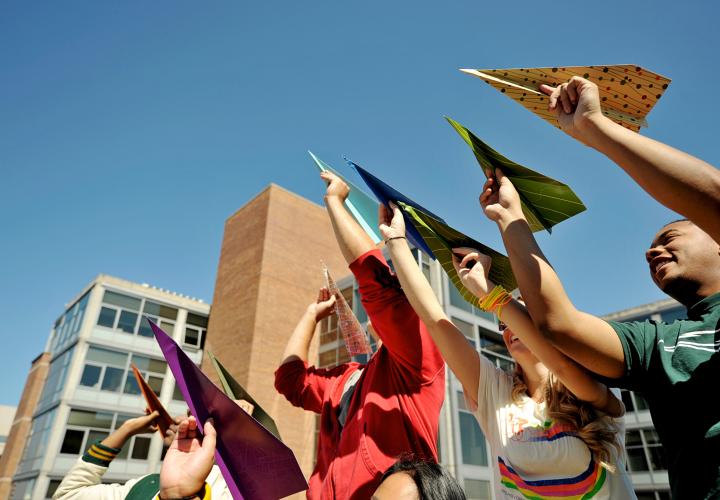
{"x": 676, "y": 367}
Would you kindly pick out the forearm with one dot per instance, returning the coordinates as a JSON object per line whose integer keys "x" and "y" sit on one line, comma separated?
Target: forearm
{"x": 578, "y": 380}
{"x": 676, "y": 179}
{"x": 458, "y": 353}
{"x": 586, "y": 339}
{"x": 117, "y": 439}
{"x": 298, "y": 346}
{"x": 351, "y": 237}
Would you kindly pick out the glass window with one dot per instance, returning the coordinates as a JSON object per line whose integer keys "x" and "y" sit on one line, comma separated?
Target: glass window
{"x": 145, "y": 329}
{"x": 627, "y": 400}
{"x": 328, "y": 358}
{"x": 131, "y": 385}
{"x": 492, "y": 341}
{"x": 107, "y": 317}
{"x": 55, "y": 382}
{"x": 149, "y": 364}
{"x": 192, "y": 336}
{"x": 177, "y": 394}
{"x": 23, "y": 490}
{"x": 90, "y": 376}
{"x": 141, "y": 448}
{"x": 474, "y": 448}
{"x": 476, "y": 489}
{"x": 73, "y": 441}
{"x": 196, "y": 320}
{"x": 124, "y": 301}
{"x": 153, "y": 309}
{"x": 466, "y": 328}
{"x": 457, "y": 300}
{"x": 635, "y": 451}
{"x": 127, "y": 321}
{"x": 640, "y": 401}
{"x": 90, "y": 419}
{"x": 52, "y": 487}
{"x": 113, "y": 379}
{"x": 106, "y": 356}
{"x": 167, "y": 327}
{"x": 655, "y": 450}
{"x": 95, "y": 437}
{"x": 155, "y": 384}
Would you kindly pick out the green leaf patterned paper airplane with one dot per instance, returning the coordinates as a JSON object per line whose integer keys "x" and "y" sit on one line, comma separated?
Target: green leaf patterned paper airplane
{"x": 234, "y": 390}
{"x": 545, "y": 201}
{"x": 442, "y": 238}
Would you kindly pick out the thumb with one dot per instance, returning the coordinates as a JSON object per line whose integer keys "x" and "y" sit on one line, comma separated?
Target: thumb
{"x": 546, "y": 89}
{"x": 209, "y": 437}
{"x": 500, "y": 176}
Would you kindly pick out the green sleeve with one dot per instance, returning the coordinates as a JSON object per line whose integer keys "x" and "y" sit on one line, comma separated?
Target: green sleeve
{"x": 638, "y": 339}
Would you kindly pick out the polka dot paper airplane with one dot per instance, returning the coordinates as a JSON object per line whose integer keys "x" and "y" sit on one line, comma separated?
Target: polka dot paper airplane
{"x": 627, "y": 92}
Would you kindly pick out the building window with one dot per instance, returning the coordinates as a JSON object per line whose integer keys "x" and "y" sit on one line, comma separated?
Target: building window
{"x": 492, "y": 341}
{"x": 68, "y": 325}
{"x": 36, "y": 443}
{"x": 332, "y": 348}
{"x": 467, "y": 329}
{"x": 177, "y": 394}
{"x": 476, "y": 489}
{"x": 637, "y": 461}
{"x": 55, "y": 381}
{"x": 87, "y": 427}
{"x": 195, "y": 329}
{"x": 658, "y": 461}
{"x": 52, "y": 487}
{"x": 23, "y": 490}
{"x": 122, "y": 312}
{"x": 472, "y": 440}
{"x": 108, "y": 370}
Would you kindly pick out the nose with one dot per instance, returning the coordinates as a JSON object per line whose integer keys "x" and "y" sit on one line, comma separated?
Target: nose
{"x": 653, "y": 252}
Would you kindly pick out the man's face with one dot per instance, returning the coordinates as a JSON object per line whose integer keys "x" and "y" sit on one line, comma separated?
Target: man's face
{"x": 682, "y": 259}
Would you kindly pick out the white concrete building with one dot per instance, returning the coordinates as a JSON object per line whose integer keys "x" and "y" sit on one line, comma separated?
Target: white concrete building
{"x": 7, "y": 414}
{"x": 90, "y": 388}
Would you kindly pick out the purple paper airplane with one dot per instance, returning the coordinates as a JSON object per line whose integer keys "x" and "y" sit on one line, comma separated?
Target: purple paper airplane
{"x": 255, "y": 464}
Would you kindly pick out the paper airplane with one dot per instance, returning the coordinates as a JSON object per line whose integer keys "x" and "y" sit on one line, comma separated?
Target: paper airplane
{"x": 627, "y": 92}
{"x": 356, "y": 341}
{"x": 255, "y": 464}
{"x": 545, "y": 201}
{"x": 234, "y": 390}
{"x": 386, "y": 194}
{"x": 362, "y": 207}
{"x": 164, "y": 421}
{"x": 443, "y": 238}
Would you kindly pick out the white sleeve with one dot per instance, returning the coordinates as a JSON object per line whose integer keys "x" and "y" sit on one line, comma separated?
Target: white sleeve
{"x": 494, "y": 389}
{"x": 83, "y": 482}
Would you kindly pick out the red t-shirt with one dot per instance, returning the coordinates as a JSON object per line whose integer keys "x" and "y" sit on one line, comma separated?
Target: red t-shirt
{"x": 396, "y": 404}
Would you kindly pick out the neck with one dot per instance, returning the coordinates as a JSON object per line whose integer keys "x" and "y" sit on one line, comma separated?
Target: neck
{"x": 689, "y": 296}
{"x": 534, "y": 375}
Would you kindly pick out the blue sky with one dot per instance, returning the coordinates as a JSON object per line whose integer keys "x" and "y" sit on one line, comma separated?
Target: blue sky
{"x": 131, "y": 130}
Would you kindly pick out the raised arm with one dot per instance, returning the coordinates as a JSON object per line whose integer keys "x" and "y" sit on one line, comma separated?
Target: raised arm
{"x": 351, "y": 237}
{"x": 678, "y": 180}
{"x": 583, "y": 337}
{"x": 298, "y": 345}
{"x": 460, "y": 356}
{"x": 473, "y": 270}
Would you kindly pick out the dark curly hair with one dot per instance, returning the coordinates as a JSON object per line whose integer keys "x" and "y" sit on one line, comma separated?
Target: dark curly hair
{"x": 433, "y": 482}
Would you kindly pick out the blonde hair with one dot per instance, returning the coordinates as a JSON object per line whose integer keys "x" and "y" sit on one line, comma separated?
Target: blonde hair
{"x": 597, "y": 430}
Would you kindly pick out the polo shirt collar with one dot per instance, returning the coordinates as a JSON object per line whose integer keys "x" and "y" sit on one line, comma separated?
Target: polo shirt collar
{"x": 703, "y": 307}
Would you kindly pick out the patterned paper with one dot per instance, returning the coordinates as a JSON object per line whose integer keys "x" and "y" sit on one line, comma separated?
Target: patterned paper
{"x": 356, "y": 341}
{"x": 627, "y": 92}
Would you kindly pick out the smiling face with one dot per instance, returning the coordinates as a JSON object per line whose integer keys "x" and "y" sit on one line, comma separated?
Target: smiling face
{"x": 684, "y": 262}
{"x": 517, "y": 349}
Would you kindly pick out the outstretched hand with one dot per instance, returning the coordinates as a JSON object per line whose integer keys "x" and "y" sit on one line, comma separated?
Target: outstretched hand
{"x": 472, "y": 267}
{"x": 188, "y": 460}
{"x": 324, "y": 306}
{"x": 576, "y": 104}
{"x": 336, "y": 187}
{"x": 392, "y": 223}
{"x": 500, "y": 200}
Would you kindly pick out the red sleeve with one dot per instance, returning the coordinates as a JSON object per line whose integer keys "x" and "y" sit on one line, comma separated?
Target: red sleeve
{"x": 305, "y": 386}
{"x": 393, "y": 318}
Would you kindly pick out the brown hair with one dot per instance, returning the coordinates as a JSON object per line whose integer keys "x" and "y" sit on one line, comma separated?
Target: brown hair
{"x": 597, "y": 430}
